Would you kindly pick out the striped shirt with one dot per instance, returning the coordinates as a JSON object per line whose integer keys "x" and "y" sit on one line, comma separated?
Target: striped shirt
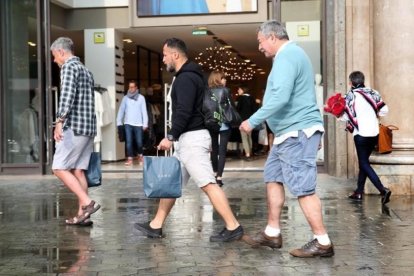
{"x": 77, "y": 99}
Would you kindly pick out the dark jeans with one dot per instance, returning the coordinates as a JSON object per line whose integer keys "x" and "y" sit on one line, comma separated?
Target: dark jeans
{"x": 364, "y": 147}
{"x": 219, "y": 150}
{"x": 133, "y": 140}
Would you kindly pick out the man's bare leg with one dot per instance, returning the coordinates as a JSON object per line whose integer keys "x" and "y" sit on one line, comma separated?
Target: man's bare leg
{"x": 221, "y": 204}
{"x": 275, "y": 201}
{"x": 72, "y": 182}
{"x": 80, "y": 175}
{"x": 164, "y": 207}
{"x": 312, "y": 209}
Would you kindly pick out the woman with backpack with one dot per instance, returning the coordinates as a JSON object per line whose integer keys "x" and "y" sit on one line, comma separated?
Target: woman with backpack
{"x": 219, "y": 140}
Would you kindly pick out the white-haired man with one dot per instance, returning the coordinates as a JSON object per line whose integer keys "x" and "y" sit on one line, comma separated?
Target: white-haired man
{"x": 290, "y": 109}
{"x": 75, "y": 128}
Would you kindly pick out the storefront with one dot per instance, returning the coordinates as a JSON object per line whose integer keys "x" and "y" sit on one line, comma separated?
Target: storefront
{"x": 23, "y": 82}
{"x": 350, "y": 37}
{"x": 27, "y": 98}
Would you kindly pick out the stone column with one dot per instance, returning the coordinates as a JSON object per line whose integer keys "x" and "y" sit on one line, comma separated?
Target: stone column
{"x": 334, "y": 80}
{"x": 393, "y": 23}
{"x": 393, "y": 70}
{"x": 358, "y": 57}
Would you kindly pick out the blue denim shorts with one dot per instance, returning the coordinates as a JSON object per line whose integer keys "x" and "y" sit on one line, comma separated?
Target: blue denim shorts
{"x": 293, "y": 163}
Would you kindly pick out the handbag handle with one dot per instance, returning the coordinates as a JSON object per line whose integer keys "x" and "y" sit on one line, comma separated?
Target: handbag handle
{"x": 166, "y": 152}
{"x": 392, "y": 127}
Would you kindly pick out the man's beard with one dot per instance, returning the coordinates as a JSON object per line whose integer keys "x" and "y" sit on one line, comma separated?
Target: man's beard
{"x": 170, "y": 68}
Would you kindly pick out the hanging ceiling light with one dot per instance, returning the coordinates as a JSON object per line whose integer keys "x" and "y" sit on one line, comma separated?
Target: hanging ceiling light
{"x": 224, "y": 58}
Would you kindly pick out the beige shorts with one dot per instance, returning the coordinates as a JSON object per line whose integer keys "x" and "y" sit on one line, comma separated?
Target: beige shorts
{"x": 193, "y": 150}
{"x": 73, "y": 152}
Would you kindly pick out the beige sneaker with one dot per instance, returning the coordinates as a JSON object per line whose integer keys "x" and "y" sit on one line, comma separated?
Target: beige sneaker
{"x": 128, "y": 162}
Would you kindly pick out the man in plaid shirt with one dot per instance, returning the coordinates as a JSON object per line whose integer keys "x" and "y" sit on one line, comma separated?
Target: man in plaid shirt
{"x": 75, "y": 127}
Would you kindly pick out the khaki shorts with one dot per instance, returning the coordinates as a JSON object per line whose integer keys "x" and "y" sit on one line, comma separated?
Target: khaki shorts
{"x": 193, "y": 150}
{"x": 73, "y": 152}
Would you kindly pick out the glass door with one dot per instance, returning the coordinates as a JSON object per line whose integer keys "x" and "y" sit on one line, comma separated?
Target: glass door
{"x": 22, "y": 86}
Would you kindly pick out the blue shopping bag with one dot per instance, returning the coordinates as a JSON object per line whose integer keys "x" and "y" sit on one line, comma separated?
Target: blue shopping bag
{"x": 94, "y": 172}
{"x": 162, "y": 177}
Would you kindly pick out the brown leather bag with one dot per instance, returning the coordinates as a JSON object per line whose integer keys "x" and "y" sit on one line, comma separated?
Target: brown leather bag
{"x": 385, "y": 138}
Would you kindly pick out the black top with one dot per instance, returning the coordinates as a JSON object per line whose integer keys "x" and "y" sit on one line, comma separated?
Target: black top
{"x": 187, "y": 100}
{"x": 246, "y": 106}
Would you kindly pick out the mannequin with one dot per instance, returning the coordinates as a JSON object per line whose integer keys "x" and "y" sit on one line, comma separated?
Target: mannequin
{"x": 29, "y": 129}
{"x": 319, "y": 101}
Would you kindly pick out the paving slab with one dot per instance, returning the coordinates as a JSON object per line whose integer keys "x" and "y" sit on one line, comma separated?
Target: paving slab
{"x": 34, "y": 240}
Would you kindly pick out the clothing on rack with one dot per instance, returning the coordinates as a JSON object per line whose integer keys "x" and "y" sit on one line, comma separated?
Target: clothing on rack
{"x": 103, "y": 112}
{"x": 29, "y": 133}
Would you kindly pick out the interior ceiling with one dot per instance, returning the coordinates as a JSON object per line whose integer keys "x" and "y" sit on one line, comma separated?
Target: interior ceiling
{"x": 241, "y": 36}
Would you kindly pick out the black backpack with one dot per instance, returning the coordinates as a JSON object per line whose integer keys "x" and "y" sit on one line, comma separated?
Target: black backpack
{"x": 211, "y": 111}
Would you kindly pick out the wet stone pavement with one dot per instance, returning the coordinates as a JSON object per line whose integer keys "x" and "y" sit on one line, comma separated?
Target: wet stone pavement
{"x": 34, "y": 239}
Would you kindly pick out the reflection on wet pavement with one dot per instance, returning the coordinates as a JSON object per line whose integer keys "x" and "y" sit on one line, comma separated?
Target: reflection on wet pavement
{"x": 369, "y": 239}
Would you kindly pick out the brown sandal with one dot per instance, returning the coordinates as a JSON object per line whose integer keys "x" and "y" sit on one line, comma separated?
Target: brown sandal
{"x": 90, "y": 209}
{"x": 86, "y": 222}
{"x": 78, "y": 220}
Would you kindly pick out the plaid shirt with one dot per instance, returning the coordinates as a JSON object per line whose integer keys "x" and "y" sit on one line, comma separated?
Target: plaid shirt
{"x": 77, "y": 98}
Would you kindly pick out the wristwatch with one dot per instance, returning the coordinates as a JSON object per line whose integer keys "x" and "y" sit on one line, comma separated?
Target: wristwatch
{"x": 170, "y": 138}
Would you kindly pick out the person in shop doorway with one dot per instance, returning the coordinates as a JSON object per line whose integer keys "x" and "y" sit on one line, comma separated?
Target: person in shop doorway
{"x": 246, "y": 106}
{"x": 133, "y": 115}
{"x": 290, "y": 109}
{"x": 192, "y": 143}
{"x": 75, "y": 128}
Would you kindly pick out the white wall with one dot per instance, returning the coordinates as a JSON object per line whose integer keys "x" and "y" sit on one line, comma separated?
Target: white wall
{"x": 74, "y": 4}
{"x": 308, "y": 10}
{"x": 310, "y": 43}
{"x": 100, "y": 59}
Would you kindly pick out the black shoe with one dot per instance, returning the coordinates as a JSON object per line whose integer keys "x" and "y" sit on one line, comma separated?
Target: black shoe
{"x": 386, "y": 194}
{"x": 259, "y": 153}
{"x": 219, "y": 182}
{"x": 227, "y": 236}
{"x": 385, "y": 210}
{"x": 356, "y": 196}
{"x": 147, "y": 229}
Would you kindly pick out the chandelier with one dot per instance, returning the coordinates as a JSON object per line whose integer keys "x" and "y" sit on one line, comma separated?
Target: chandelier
{"x": 223, "y": 57}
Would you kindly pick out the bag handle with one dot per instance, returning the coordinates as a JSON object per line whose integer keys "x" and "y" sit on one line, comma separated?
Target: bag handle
{"x": 167, "y": 153}
{"x": 392, "y": 127}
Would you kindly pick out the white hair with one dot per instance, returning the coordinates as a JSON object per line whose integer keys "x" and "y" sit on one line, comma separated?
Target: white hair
{"x": 273, "y": 27}
{"x": 64, "y": 43}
